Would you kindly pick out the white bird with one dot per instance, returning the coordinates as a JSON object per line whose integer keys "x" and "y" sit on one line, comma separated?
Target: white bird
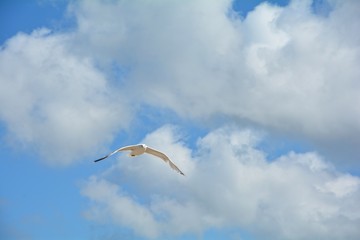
{"x": 139, "y": 149}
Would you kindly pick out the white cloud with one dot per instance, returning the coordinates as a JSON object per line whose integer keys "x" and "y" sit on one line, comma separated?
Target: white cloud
{"x": 228, "y": 183}
{"x": 123, "y": 209}
{"x": 283, "y": 68}
{"x": 54, "y": 101}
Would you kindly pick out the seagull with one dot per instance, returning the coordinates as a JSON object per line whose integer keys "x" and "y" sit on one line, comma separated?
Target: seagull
{"x": 139, "y": 149}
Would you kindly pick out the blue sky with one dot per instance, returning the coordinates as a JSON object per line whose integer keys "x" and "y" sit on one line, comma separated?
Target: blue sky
{"x": 257, "y": 102}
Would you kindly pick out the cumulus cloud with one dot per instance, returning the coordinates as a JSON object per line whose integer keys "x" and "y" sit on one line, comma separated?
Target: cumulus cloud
{"x": 291, "y": 69}
{"x": 228, "y": 183}
{"x": 54, "y": 101}
{"x": 287, "y": 69}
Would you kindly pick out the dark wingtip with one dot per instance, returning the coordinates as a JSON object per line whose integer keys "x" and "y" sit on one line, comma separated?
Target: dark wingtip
{"x": 100, "y": 159}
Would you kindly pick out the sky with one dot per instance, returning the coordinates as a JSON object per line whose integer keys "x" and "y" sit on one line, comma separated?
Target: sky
{"x": 256, "y": 102}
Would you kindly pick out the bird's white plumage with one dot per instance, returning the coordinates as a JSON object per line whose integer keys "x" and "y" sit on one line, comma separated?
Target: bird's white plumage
{"x": 139, "y": 149}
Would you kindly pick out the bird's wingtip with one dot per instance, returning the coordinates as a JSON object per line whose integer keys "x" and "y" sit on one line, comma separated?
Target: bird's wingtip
{"x": 100, "y": 159}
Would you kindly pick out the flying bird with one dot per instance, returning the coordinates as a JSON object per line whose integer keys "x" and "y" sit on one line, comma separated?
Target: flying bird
{"x": 136, "y": 150}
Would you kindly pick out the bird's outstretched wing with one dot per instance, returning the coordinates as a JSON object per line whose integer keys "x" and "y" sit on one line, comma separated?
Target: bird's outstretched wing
{"x": 163, "y": 157}
{"x": 131, "y": 147}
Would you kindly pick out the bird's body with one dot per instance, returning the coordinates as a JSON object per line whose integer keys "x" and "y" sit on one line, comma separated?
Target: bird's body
{"x": 136, "y": 150}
